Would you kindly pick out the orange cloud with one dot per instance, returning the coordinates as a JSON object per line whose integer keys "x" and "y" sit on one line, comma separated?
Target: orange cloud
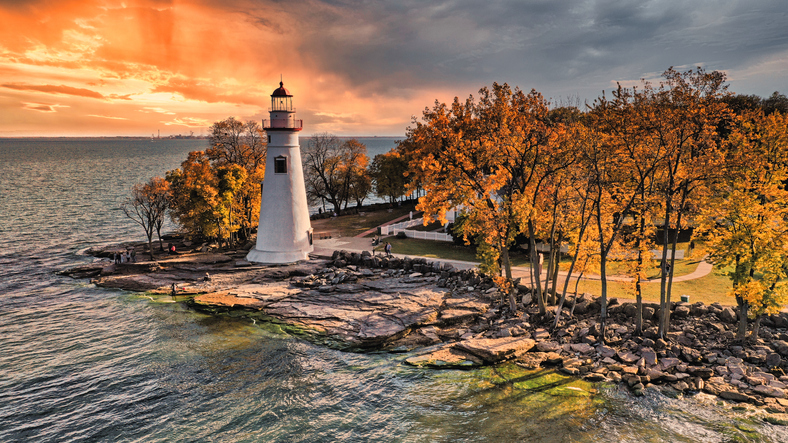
{"x": 54, "y": 89}
{"x": 41, "y": 107}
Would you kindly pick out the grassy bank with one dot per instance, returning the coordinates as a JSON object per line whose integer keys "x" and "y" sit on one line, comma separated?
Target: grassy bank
{"x": 709, "y": 289}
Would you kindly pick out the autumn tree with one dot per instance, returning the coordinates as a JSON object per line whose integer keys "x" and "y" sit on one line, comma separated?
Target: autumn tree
{"x": 687, "y": 112}
{"x": 233, "y": 142}
{"x": 204, "y": 197}
{"x": 388, "y": 175}
{"x": 334, "y": 170}
{"x": 357, "y": 182}
{"x": 147, "y": 206}
{"x": 487, "y": 156}
{"x": 747, "y": 223}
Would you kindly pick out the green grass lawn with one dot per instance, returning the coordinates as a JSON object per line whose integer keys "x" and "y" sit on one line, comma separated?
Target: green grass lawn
{"x": 352, "y": 225}
{"x": 429, "y": 249}
{"x": 709, "y": 289}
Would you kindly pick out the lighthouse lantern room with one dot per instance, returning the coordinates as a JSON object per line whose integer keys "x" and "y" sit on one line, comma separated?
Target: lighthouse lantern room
{"x": 284, "y": 234}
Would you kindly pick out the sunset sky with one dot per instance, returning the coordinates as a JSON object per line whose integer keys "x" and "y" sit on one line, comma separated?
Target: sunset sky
{"x": 84, "y": 67}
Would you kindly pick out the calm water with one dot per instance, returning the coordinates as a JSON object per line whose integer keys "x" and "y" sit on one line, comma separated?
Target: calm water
{"x": 80, "y": 363}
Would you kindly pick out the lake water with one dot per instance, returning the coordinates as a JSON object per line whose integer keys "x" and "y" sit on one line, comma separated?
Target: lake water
{"x": 81, "y": 363}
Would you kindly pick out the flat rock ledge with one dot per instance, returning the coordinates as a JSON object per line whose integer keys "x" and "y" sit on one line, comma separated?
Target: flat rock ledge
{"x": 448, "y": 318}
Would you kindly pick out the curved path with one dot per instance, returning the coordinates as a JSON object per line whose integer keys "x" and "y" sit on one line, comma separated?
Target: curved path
{"x": 358, "y": 244}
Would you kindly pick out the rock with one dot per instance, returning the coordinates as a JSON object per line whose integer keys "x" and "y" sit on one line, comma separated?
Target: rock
{"x": 541, "y": 334}
{"x": 493, "y": 350}
{"x": 627, "y": 357}
{"x": 728, "y": 315}
{"x": 606, "y": 351}
{"x": 681, "y": 311}
{"x": 453, "y": 316}
{"x": 649, "y": 356}
{"x": 700, "y": 371}
{"x": 735, "y": 396}
{"x": 648, "y": 312}
{"x": 594, "y": 377}
{"x": 773, "y": 360}
{"x": 242, "y": 264}
{"x": 570, "y": 370}
{"x": 548, "y": 346}
{"x": 445, "y": 357}
{"x": 769, "y": 391}
{"x": 583, "y": 348}
{"x": 668, "y": 362}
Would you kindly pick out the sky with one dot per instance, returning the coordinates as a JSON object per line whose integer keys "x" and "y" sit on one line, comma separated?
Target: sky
{"x": 134, "y": 68}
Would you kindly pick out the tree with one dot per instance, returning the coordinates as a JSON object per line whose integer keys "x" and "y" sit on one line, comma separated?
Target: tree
{"x": 686, "y": 117}
{"x": 147, "y": 206}
{"x": 388, "y": 175}
{"x": 335, "y": 171}
{"x": 747, "y": 224}
{"x": 358, "y": 183}
{"x": 233, "y": 142}
{"x": 194, "y": 196}
{"x": 238, "y": 143}
{"x": 490, "y": 157}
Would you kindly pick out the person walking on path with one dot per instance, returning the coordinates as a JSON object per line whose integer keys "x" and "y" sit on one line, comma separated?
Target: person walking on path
{"x": 388, "y": 249}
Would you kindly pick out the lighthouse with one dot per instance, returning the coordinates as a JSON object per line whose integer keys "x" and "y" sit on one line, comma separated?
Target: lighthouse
{"x": 284, "y": 234}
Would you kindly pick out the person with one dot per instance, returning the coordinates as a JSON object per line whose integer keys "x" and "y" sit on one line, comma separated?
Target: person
{"x": 134, "y": 256}
{"x": 115, "y": 258}
{"x": 172, "y": 249}
{"x": 388, "y": 249}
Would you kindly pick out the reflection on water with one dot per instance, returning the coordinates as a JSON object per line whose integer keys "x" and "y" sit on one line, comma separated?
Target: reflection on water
{"x": 80, "y": 363}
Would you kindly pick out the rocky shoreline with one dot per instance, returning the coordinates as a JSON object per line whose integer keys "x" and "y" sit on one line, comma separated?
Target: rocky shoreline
{"x": 449, "y": 318}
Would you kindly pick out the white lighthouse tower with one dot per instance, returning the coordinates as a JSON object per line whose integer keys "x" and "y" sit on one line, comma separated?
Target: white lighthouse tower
{"x": 284, "y": 234}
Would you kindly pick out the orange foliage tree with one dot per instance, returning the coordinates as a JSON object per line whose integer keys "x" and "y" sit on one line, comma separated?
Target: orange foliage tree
{"x": 489, "y": 157}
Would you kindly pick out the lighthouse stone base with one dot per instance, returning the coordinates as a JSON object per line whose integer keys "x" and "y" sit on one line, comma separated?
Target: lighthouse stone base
{"x": 276, "y": 257}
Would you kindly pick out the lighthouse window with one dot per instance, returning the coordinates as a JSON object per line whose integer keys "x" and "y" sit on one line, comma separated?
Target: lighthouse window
{"x": 280, "y": 165}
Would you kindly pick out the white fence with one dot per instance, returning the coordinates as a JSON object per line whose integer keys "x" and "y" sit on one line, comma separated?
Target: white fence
{"x": 396, "y": 228}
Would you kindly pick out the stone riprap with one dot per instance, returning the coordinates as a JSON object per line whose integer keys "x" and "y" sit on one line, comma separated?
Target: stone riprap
{"x": 456, "y": 319}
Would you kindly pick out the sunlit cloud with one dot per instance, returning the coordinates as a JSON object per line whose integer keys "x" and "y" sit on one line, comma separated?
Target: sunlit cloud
{"x": 107, "y": 117}
{"x": 355, "y": 68}
{"x": 157, "y": 110}
{"x": 190, "y": 122}
{"x": 54, "y": 89}
{"x": 42, "y": 107}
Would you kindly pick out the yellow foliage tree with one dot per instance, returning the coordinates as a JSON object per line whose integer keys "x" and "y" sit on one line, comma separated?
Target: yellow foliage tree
{"x": 747, "y": 224}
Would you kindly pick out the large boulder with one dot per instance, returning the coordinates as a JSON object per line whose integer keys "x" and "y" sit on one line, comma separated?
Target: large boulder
{"x": 728, "y": 315}
{"x": 493, "y": 350}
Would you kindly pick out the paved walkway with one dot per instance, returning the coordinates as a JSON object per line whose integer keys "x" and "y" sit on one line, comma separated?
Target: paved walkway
{"x": 391, "y": 222}
{"x": 357, "y": 244}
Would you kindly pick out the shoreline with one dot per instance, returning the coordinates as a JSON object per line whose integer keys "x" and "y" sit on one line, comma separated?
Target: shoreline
{"x": 451, "y": 318}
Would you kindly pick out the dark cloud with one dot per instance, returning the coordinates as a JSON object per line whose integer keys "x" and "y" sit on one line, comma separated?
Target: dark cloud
{"x": 557, "y": 46}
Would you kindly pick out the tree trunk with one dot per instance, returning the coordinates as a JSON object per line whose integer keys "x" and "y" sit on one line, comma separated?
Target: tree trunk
{"x": 508, "y": 267}
{"x": 743, "y": 308}
{"x": 556, "y": 268}
{"x": 535, "y": 268}
{"x": 663, "y": 307}
{"x": 756, "y": 326}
